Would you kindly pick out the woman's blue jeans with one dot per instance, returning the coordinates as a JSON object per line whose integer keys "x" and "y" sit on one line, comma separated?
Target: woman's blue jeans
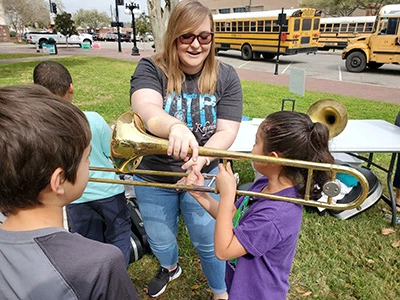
{"x": 160, "y": 209}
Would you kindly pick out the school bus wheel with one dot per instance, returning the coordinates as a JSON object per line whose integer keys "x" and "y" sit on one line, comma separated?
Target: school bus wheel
{"x": 247, "y": 52}
{"x": 356, "y": 62}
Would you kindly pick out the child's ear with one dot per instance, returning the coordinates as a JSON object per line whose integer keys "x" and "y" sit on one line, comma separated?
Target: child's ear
{"x": 274, "y": 154}
{"x": 57, "y": 180}
{"x": 71, "y": 89}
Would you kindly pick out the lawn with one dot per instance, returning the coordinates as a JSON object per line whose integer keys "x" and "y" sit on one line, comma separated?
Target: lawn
{"x": 335, "y": 259}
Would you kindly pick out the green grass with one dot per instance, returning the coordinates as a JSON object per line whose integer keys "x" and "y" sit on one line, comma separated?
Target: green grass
{"x": 335, "y": 259}
{"x": 18, "y": 55}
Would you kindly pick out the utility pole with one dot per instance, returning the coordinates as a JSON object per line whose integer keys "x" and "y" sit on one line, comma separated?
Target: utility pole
{"x": 281, "y": 22}
{"x": 117, "y": 20}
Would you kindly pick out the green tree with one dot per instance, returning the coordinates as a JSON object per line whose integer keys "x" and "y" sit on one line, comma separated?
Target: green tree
{"x": 143, "y": 24}
{"x": 91, "y": 19}
{"x": 65, "y": 25}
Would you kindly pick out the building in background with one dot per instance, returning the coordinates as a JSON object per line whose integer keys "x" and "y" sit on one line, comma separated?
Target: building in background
{"x": 4, "y": 32}
{"x": 231, "y": 6}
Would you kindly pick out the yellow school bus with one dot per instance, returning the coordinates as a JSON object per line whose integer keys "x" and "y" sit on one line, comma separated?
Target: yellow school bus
{"x": 335, "y": 32}
{"x": 381, "y": 47}
{"x": 257, "y": 33}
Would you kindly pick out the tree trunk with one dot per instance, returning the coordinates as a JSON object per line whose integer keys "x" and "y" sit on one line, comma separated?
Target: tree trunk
{"x": 159, "y": 17}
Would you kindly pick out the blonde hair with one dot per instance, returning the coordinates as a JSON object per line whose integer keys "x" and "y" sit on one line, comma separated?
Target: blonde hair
{"x": 186, "y": 17}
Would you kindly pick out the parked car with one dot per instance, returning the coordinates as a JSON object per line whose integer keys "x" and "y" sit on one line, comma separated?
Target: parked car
{"x": 149, "y": 37}
{"x": 96, "y": 36}
{"x": 111, "y": 36}
{"x": 145, "y": 38}
{"x": 125, "y": 36}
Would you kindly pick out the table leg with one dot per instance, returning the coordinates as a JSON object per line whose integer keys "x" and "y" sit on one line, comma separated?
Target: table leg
{"x": 390, "y": 189}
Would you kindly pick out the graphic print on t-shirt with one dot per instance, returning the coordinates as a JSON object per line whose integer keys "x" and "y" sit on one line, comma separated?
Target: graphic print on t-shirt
{"x": 198, "y": 111}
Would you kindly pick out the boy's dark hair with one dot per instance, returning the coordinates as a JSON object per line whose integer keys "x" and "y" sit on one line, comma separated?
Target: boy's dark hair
{"x": 295, "y": 136}
{"x": 39, "y": 132}
{"x": 54, "y": 76}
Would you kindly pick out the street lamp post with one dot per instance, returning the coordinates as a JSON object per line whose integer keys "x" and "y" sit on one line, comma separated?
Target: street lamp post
{"x": 133, "y": 8}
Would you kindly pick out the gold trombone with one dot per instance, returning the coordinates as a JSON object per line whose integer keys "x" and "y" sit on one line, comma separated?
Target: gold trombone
{"x": 130, "y": 143}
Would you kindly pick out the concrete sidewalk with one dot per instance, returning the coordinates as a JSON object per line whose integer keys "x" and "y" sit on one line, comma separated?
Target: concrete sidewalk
{"x": 365, "y": 91}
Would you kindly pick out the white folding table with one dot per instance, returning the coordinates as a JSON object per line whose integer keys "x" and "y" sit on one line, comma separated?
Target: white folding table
{"x": 359, "y": 136}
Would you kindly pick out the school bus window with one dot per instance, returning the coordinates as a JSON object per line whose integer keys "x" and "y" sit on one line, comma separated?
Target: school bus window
{"x": 369, "y": 27}
{"x": 275, "y": 26}
{"x": 246, "y": 26}
{"x": 240, "y": 26}
{"x": 328, "y": 28}
{"x": 307, "y": 24}
{"x": 392, "y": 26}
{"x": 233, "y": 26}
{"x": 228, "y": 26}
{"x": 316, "y": 24}
{"x": 352, "y": 26}
{"x": 268, "y": 26}
{"x": 296, "y": 26}
{"x": 253, "y": 26}
{"x": 217, "y": 28}
{"x": 360, "y": 27}
{"x": 223, "y": 26}
{"x": 343, "y": 27}
{"x": 260, "y": 26}
{"x": 335, "y": 27}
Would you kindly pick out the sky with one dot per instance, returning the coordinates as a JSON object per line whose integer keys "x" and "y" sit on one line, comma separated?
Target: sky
{"x": 71, "y": 6}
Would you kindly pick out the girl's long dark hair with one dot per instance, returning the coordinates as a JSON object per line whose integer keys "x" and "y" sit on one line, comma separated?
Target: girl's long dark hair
{"x": 293, "y": 135}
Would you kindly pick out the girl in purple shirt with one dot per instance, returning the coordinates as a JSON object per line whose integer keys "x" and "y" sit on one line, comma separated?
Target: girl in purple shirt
{"x": 258, "y": 236}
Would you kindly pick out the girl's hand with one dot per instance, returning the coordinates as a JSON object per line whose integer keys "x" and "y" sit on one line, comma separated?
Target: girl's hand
{"x": 194, "y": 178}
{"x": 180, "y": 140}
{"x": 226, "y": 182}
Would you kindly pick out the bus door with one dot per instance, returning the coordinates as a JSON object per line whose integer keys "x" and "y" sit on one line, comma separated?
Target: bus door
{"x": 384, "y": 45}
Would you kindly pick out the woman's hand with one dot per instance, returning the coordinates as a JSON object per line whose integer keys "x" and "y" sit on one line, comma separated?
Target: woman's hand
{"x": 190, "y": 165}
{"x": 180, "y": 140}
{"x": 226, "y": 181}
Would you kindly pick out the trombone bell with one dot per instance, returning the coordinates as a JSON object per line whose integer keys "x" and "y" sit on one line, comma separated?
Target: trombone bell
{"x": 331, "y": 113}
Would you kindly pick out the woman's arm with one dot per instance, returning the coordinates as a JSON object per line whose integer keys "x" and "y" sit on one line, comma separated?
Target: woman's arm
{"x": 148, "y": 104}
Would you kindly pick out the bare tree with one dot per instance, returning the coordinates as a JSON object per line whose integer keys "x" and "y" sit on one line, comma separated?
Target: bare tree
{"x": 334, "y": 8}
{"x": 159, "y": 17}
{"x": 338, "y": 8}
{"x": 375, "y": 5}
{"x": 25, "y": 13}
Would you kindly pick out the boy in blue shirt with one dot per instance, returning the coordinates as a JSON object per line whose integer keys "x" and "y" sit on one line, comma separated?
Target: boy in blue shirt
{"x": 101, "y": 213}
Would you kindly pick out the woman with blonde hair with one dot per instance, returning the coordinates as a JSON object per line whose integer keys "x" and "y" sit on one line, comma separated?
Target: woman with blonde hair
{"x": 185, "y": 95}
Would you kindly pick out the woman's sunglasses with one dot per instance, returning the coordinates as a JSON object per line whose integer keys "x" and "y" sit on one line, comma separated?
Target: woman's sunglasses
{"x": 204, "y": 38}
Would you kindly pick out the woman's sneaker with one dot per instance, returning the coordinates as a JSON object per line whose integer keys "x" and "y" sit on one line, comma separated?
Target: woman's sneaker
{"x": 159, "y": 282}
